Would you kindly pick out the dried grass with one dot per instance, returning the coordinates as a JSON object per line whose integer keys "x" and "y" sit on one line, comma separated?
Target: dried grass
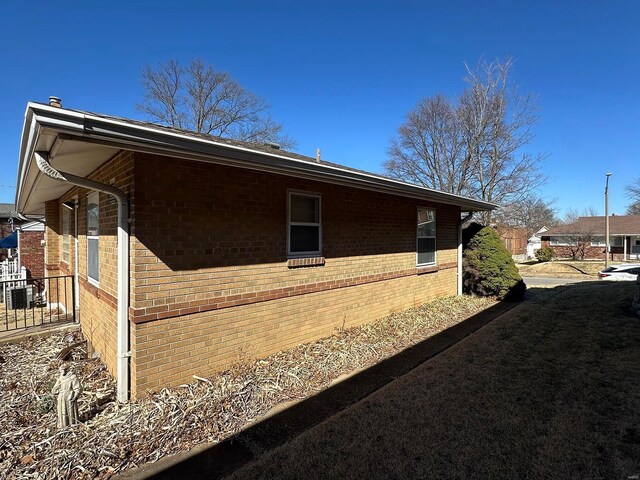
{"x": 116, "y": 437}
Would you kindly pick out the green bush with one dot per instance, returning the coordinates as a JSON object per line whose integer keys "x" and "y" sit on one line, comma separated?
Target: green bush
{"x": 545, "y": 254}
{"x": 489, "y": 269}
{"x": 46, "y": 404}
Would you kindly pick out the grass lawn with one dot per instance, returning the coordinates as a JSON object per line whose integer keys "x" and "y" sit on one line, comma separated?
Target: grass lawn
{"x": 561, "y": 268}
{"x": 549, "y": 390}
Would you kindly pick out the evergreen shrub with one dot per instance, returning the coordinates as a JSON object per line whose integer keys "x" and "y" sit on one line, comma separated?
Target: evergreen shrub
{"x": 545, "y": 254}
{"x": 489, "y": 270}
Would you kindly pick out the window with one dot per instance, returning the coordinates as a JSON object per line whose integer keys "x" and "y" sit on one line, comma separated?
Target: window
{"x": 65, "y": 234}
{"x": 561, "y": 242}
{"x": 304, "y": 229}
{"x": 600, "y": 242}
{"x": 93, "y": 236}
{"x": 426, "y": 237}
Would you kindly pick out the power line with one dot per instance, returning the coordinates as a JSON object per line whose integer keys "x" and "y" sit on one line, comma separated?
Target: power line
{"x": 8, "y": 186}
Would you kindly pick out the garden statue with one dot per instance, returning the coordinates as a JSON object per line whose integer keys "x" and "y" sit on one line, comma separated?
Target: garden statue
{"x": 68, "y": 389}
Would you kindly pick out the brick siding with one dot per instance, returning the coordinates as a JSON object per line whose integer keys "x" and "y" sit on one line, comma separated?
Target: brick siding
{"x": 210, "y": 279}
{"x": 591, "y": 252}
{"x": 211, "y": 282}
{"x": 32, "y": 253}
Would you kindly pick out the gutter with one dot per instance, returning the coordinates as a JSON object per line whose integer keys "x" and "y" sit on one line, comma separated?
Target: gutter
{"x": 91, "y": 128}
{"x": 123, "y": 351}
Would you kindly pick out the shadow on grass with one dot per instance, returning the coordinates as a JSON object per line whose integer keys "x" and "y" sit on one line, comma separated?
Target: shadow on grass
{"x": 216, "y": 461}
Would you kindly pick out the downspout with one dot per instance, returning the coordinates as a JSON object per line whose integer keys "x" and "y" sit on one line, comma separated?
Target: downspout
{"x": 123, "y": 353}
{"x": 462, "y": 220}
{"x": 75, "y": 247}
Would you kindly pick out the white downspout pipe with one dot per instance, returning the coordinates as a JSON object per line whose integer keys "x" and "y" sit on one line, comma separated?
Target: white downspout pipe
{"x": 462, "y": 220}
{"x": 123, "y": 353}
{"x": 75, "y": 248}
{"x": 460, "y": 258}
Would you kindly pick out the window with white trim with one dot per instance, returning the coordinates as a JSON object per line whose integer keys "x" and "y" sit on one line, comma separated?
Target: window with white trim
{"x": 93, "y": 237}
{"x": 65, "y": 234}
{"x": 600, "y": 242}
{"x": 304, "y": 224}
{"x": 426, "y": 237}
{"x": 561, "y": 242}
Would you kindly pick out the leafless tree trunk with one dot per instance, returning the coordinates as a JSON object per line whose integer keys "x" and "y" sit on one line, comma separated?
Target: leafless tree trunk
{"x": 203, "y": 100}
{"x": 584, "y": 232}
{"x": 472, "y": 147}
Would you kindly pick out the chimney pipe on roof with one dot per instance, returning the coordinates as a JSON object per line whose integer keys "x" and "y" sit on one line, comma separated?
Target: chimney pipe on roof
{"x": 318, "y": 155}
{"x": 55, "y": 102}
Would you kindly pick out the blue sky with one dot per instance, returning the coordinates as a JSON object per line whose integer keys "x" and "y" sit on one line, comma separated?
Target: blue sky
{"x": 341, "y": 76}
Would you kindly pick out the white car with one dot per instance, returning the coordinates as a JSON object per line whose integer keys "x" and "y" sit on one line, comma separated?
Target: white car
{"x": 628, "y": 272}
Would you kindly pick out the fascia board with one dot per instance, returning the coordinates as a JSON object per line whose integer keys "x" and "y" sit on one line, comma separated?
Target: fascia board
{"x": 122, "y": 134}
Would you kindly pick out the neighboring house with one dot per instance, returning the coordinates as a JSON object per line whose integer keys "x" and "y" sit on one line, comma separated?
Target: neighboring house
{"x": 514, "y": 239}
{"x": 535, "y": 243}
{"x": 26, "y": 239}
{"x": 193, "y": 252}
{"x": 586, "y": 237}
{"x": 31, "y": 248}
{"x": 517, "y": 241}
{"x": 9, "y": 220}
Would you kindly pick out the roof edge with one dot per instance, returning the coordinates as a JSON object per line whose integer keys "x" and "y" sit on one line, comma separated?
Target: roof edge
{"x": 125, "y": 135}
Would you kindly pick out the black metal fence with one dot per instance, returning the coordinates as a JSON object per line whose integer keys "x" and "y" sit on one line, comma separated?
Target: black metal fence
{"x": 36, "y": 301}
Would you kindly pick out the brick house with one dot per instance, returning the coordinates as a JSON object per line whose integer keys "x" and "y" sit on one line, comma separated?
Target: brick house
{"x": 587, "y": 236}
{"x": 29, "y": 235}
{"x": 194, "y": 252}
{"x": 9, "y": 219}
{"x": 30, "y": 248}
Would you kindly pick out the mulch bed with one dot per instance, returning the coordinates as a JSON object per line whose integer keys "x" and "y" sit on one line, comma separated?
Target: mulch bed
{"x": 114, "y": 437}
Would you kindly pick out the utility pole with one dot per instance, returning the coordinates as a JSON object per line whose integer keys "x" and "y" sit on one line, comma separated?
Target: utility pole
{"x": 606, "y": 221}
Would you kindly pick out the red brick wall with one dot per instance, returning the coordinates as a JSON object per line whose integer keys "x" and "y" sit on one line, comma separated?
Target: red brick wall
{"x": 32, "y": 253}
{"x": 591, "y": 253}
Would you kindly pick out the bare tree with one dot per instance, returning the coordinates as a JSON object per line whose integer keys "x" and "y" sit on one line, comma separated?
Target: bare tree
{"x": 634, "y": 192}
{"x": 531, "y": 213}
{"x": 201, "y": 99}
{"x": 430, "y": 149}
{"x": 583, "y": 233}
{"x": 473, "y": 146}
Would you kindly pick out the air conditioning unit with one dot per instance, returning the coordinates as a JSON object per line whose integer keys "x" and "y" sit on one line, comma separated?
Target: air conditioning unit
{"x": 20, "y": 298}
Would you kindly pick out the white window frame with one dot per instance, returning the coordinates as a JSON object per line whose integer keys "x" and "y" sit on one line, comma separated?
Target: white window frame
{"x": 93, "y": 197}
{"x": 601, "y": 242}
{"x": 560, "y": 241}
{"x": 66, "y": 222}
{"x": 435, "y": 240}
{"x": 300, "y": 193}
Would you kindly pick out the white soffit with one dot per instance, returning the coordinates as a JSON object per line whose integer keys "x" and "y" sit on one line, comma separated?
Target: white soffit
{"x": 78, "y": 158}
